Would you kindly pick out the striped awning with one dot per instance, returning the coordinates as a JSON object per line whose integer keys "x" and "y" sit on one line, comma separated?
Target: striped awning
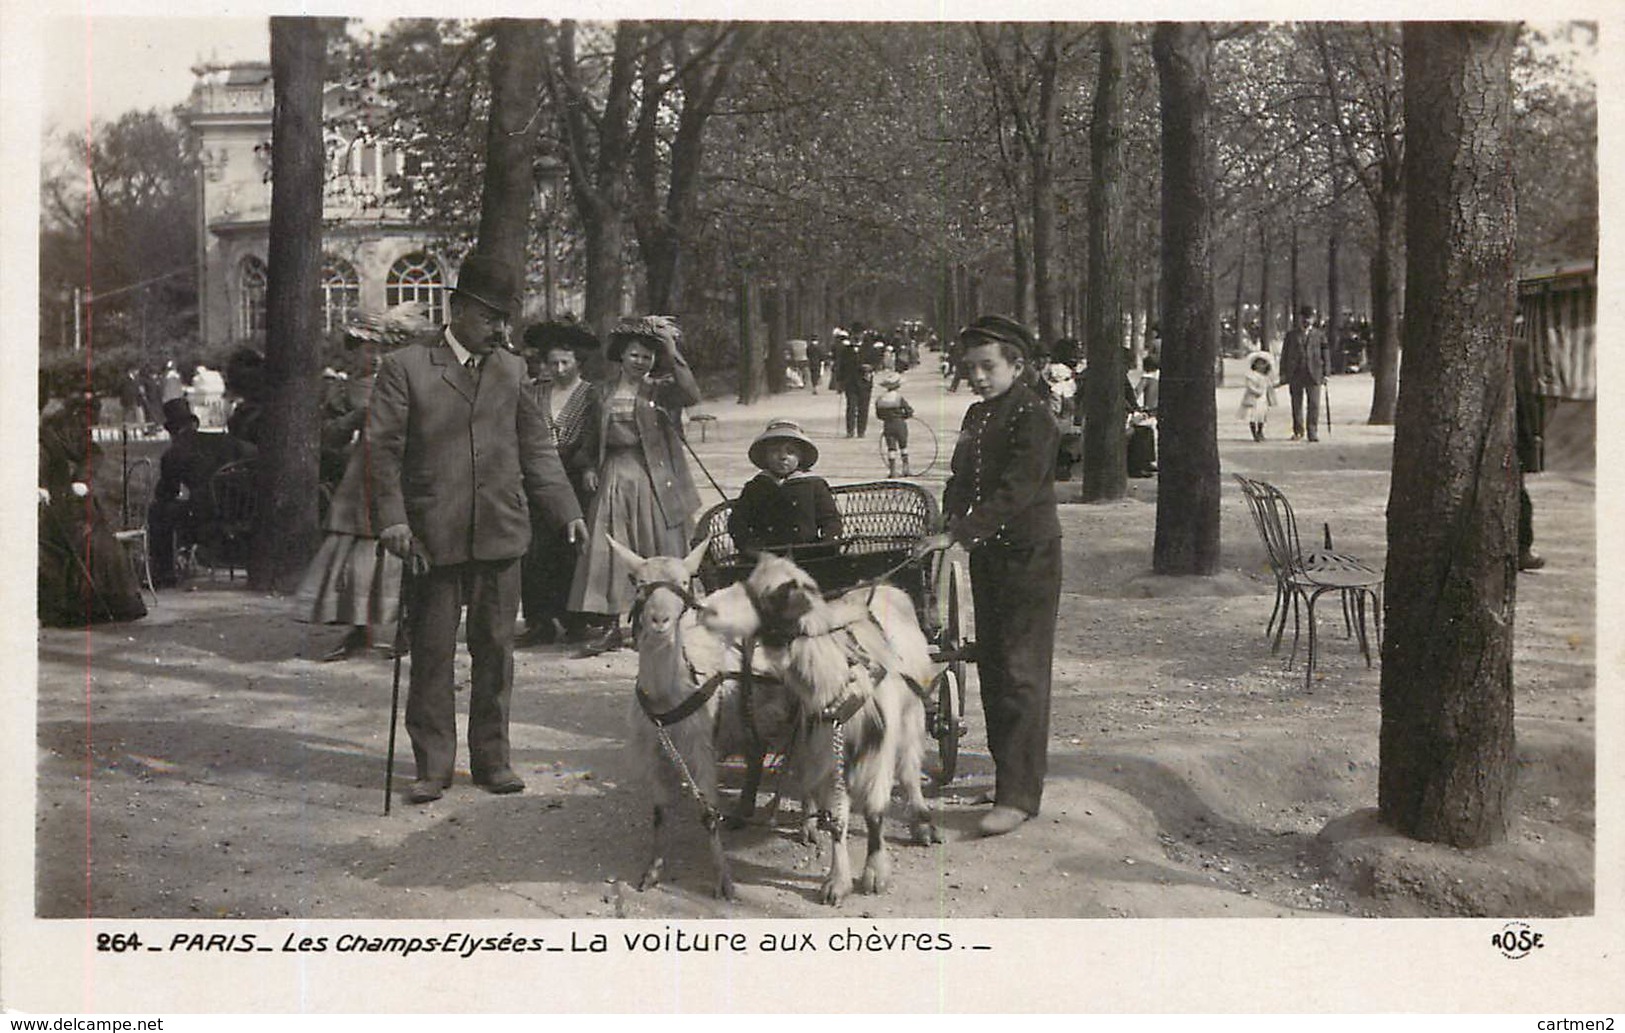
{"x": 1557, "y": 318}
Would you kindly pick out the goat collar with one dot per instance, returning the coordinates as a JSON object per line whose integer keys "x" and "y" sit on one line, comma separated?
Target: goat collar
{"x": 841, "y": 711}
{"x": 690, "y": 704}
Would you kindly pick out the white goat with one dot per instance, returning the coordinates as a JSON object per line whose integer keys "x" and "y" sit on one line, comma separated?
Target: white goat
{"x": 849, "y": 662}
{"x": 690, "y": 695}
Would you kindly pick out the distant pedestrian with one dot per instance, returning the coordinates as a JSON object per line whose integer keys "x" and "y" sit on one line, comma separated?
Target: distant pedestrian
{"x": 817, "y": 354}
{"x": 855, "y": 364}
{"x": 1303, "y": 369}
{"x": 799, "y": 361}
{"x": 1258, "y": 393}
{"x": 894, "y": 412}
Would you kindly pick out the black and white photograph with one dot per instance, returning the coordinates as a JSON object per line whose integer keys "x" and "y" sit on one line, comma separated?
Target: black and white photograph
{"x": 530, "y": 499}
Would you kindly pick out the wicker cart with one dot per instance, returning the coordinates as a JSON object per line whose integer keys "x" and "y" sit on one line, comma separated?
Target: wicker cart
{"x": 881, "y": 521}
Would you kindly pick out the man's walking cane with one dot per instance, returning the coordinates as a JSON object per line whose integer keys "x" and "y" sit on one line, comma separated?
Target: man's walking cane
{"x": 402, "y": 641}
{"x": 1326, "y": 403}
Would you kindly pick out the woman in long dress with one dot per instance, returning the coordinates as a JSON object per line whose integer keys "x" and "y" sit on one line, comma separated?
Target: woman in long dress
{"x": 351, "y": 582}
{"x": 83, "y": 575}
{"x": 646, "y": 496}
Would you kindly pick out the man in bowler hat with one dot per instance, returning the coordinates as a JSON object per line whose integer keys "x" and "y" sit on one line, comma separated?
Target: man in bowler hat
{"x": 1304, "y": 363}
{"x": 461, "y": 454}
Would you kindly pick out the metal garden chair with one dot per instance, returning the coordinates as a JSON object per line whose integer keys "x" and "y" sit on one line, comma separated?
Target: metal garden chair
{"x": 1301, "y": 578}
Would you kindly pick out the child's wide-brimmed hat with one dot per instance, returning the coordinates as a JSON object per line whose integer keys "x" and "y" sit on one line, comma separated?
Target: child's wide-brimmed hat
{"x": 784, "y": 430}
{"x": 1269, "y": 360}
{"x": 890, "y": 381}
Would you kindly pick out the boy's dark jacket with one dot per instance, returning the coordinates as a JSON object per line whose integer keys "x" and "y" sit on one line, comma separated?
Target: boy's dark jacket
{"x": 1002, "y": 482}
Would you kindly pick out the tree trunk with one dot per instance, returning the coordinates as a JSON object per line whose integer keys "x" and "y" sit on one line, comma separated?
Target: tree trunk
{"x": 1266, "y": 315}
{"x": 752, "y": 343}
{"x": 1187, "y": 535}
{"x": 1446, "y": 749}
{"x": 286, "y": 534}
{"x": 774, "y": 318}
{"x": 510, "y": 142}
{"x": 1046, "y": 130}
{"x": 598, "y": 146}
{"x": 1241, "y": 288}
{"x": 1334, "y": 300}
{"x": 1385, "y": 305}
{"x": 1105, "y": 465}
{"x": 1294, "y": 296}
{"x": 1021, "y": 259}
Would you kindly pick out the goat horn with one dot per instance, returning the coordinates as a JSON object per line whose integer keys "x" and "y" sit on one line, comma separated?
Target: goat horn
{"x": 691, "y": 562}
{"x": 631, "y": 558}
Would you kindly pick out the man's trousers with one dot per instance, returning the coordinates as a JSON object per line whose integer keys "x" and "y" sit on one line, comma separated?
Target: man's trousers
{"x": 490, "y": 589}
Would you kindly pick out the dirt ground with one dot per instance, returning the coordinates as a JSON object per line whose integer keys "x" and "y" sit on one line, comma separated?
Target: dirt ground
{"x": 201, "y": 763}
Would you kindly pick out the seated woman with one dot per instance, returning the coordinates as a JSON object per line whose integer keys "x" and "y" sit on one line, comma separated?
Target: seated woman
{"x": 784, "y": 509}
{"x": 84, "y": 577}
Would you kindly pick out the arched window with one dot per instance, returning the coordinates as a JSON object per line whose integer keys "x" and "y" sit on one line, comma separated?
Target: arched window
{"x": 416, "y": 277}
{"x": 251, "y": 282}
{"x": 341, "y": 292}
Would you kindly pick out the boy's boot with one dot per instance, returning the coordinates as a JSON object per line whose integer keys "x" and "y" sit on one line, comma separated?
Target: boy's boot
{"x": 1258, "y": 431}
{"x": 905, "y": 465}
{"x": 891, "y": 464}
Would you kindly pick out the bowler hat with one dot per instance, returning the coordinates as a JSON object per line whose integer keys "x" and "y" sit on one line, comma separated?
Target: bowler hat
{"x": 1002, "y": 329}
{"x": 178, "y": 413}
{"x": 489, "y": 281}
{"x": 784, "y": 430}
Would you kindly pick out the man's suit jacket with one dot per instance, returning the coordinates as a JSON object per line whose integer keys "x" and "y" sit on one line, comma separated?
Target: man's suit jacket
{"x": 455, "y": 456}
{"x": 1303, "y": 357}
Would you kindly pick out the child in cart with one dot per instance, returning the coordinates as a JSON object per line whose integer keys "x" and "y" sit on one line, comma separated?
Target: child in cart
{"x": 785, "y": 509}
{"x": 894, "y": 412}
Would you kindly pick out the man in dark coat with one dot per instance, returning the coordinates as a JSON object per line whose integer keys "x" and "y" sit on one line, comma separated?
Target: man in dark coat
{"x": 458, "y": 447}
{"x": 182, "y": 502}
{"x": 1303, "y": 369}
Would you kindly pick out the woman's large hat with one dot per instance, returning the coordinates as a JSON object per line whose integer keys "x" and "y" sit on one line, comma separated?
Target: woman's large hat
{"x": 656, "y": 330}
{"x": 558, "y": 333}
{"x": 489, "y": 281}
{"x": 784, "y": 430}
{"x": 1002, "y": 329}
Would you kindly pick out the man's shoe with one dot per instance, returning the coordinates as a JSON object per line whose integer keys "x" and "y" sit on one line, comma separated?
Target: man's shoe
{"x": 425, "y": 790}
{"x": 542, "y": 633}
{"x": 1531, "y": 560}
{"x": 608, "y": 642}
{"x": 501, "y": 781}
{"x": 1001, "y": 819}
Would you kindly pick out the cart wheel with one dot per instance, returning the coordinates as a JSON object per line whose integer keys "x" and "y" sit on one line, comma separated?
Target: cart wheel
{"x": 948, "y": 719}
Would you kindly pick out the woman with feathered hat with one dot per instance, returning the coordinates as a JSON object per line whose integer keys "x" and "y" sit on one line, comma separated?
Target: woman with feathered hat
{"x": 646, "y": 497}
